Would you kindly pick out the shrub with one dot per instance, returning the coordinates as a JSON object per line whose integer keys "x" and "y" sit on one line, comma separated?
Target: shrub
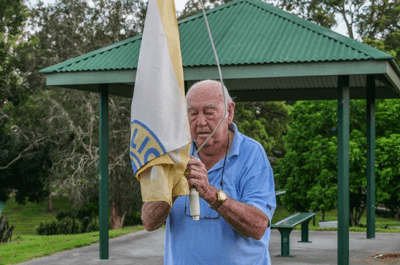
{"x": 93, "y": 225}
{"x": 66, "y": 226}
{"x": 89, "y": 209}
{"x": 63, "y": 214}
{"x": 133, "y": 219}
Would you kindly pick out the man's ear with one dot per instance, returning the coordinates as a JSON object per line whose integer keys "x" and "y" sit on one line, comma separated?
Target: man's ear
{"x": 231, "y": 111}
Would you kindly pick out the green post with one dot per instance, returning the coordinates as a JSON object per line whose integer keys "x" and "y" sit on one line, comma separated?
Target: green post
{"x": 103, "y": 171}
{"x": 370, "y": 156}
{"x": 343, "y": 169}
{"x": 304, "y": 232}
{"x": 285, "y": 241}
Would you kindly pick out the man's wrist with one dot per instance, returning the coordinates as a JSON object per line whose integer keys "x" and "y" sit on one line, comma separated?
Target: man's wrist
{"x": 212, "y": 197}
{"x": 217, "y": 199}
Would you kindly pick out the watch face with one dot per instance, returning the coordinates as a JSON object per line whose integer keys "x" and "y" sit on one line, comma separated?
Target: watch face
{"x": 222, "y": 195}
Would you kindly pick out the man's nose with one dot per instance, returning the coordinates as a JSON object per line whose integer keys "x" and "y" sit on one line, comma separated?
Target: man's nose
{"x": 201, "y": 120}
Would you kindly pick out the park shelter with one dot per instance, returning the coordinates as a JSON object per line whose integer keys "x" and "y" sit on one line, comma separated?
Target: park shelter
{"x": 266, "y": 54}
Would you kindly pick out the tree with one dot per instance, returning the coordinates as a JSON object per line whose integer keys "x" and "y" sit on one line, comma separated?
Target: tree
{"x": 387, "y": 153}
{"x": 379, "y": 26}
{"x": 23, "y": 166}
{"x": 65, "y": 121}
{"x": 12, "y": 17}
{"x": 308, "y": 171}
{"x": 26, "y": 177}
{"x": 194, "y": 6}
{"x": 266, "y": 122}
{"x": 388, "y": 173}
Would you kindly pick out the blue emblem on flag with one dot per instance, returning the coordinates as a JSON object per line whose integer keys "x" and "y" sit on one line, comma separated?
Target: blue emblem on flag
{"x": 144, "y": 144}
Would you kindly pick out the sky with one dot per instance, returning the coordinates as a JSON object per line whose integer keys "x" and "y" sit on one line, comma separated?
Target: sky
{"x": 180, "y": 4}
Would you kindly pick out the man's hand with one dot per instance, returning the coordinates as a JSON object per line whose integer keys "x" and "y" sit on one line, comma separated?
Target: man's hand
{"x": 246, "y": 219}
{"x": 198, "y": 177}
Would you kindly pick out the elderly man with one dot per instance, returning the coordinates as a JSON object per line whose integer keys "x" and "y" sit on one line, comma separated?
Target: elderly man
{"x": 235, "y": 182}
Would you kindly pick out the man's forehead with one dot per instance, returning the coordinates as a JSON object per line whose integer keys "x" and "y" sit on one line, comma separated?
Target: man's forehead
{"x": 193, "y": 105}
{"x": 207, "y": 90}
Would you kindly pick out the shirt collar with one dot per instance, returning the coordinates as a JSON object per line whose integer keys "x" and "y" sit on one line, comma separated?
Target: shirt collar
{"x": 237, "y": 140}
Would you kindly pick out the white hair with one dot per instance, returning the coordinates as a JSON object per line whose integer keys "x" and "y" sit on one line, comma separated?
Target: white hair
{"x": 228, "y": 97}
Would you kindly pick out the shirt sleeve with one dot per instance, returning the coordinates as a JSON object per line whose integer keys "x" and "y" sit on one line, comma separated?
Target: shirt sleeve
{"x": 257, "y": 184}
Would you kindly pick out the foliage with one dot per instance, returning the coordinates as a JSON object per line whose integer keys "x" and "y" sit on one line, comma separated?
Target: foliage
{"x": 322, "y": 12}
{"x": 65, "y": 123}
{"x": 388, "y": 171}
{"x": 23, "y": 167}
{"x": 26, "y": 177}
{"x": 380, "y": 28}
{"x": 63, "y": 227}
{"x": 6, "y": 230}
{"x": 194, "y": 6}
{"x": 12, "y": 17}
{"x": 266, "y": 122}
{"x": 68, "y": 120}
{"x": 73, "y": 222}
{"x": 133, "y": 219}
{"x": 68, "y": 226}
{"x": 308, "y": 171}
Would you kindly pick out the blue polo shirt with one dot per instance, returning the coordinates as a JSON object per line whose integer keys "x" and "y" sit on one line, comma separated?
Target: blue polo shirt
{"x": 247, "y": 178}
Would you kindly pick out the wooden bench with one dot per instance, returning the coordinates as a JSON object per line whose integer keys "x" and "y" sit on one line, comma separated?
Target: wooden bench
{"x": 286, "y": 226}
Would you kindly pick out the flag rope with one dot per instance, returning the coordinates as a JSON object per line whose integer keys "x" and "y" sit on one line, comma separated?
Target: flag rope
{"x": 220, "y": 76}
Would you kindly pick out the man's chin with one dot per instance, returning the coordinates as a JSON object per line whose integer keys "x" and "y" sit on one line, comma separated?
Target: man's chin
{"x": 201, "y": 140}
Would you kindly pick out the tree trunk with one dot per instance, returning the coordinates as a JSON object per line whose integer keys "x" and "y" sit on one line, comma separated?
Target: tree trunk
{"x": 323, "y": 216}
{"x": 359, "y": 215}
{"x": 49, "y": 204}
{"x": 117, "y": 219}
{"x": 351, "y": 216}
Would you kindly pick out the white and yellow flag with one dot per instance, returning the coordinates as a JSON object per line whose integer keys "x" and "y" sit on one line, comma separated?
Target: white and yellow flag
{"x": 160, "y": 136}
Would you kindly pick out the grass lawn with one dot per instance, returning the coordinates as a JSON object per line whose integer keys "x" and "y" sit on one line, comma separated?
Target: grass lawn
{"x": 27, "y": 247}
{"x": 27, "y": 217}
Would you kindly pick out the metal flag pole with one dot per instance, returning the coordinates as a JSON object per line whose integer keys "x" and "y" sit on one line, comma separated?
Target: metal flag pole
{"x": 194, "y": 194}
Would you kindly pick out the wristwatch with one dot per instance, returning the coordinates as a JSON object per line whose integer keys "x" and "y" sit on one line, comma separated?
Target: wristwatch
{"x": 221, "y": 197}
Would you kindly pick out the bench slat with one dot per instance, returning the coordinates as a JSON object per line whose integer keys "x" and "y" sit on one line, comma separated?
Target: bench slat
{"x": 293, "y": 220}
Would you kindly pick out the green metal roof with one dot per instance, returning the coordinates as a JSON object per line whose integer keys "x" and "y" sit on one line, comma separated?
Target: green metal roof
{"x": 265, "y": 54}
{"x": 245, "y": 32}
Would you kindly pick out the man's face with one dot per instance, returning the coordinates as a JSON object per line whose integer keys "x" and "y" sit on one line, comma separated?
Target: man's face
{"x": 205, "y": 111}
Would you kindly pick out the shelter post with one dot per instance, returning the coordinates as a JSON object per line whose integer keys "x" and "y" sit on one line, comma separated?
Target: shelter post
{"x": 343, "y": 169}
{"x": 103, "y": 171}
{"x": 370, "y": 156}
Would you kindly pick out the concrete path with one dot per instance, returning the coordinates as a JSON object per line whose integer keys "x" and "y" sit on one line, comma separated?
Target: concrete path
{"x": 147, "y": 248}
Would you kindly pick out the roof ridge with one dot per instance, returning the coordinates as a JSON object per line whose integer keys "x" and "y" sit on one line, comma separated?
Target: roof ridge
{"x": 365, "y": 49}
{"x": 92, "y": 53}
{"x": 212, "y": 10}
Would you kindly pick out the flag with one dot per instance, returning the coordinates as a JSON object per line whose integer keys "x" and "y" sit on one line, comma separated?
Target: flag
{"x": 160, "y": 136}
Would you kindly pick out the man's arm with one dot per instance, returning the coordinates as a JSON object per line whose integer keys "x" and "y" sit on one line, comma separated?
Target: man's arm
{"x": 246, "y": 219}
{"x": 154, "y": 214}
